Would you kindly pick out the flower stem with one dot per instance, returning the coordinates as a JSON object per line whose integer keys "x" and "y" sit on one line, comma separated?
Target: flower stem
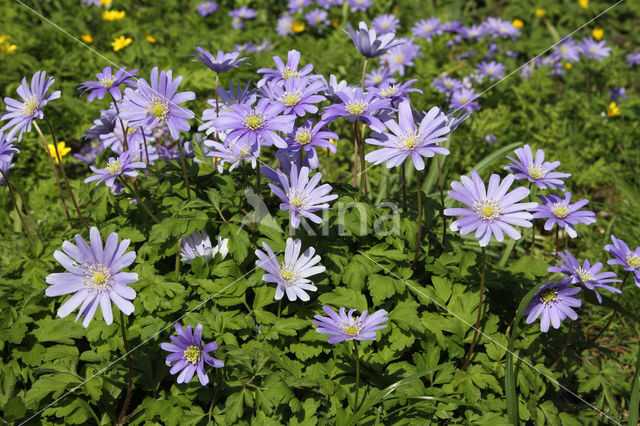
{"x": 146, "y": 149}
{"x": 404, "y": 188}
{"x": 279, "y": 308}
{"x": 258, "y": 175}
{"x": 134, "y": 191}
{"x": 125, "y": 145}
{"x": 564, "y": 347}
{"x": 355, "y": 154}
{"x": 184, "y": 169}
{"x": 533, "y": 228}
{"x": 55, "y": 172}
{"x": 363, "y": 166}
{"x": 557, "y": 239}
{"x": 476, "y": 329}
{"x": 178, "y": 258}
{"x": 357, "y": 356}
{"x": 64, "y": 174}
{"x": 125, "y": 406}
{"x": 441, "y": 187}
{"x": 215, "y": 160}
{"x": 419, "y": 238}
{"x": 15, "y": 205}
{"x": 364, "y": 70}
{"x": 216, "y": 392}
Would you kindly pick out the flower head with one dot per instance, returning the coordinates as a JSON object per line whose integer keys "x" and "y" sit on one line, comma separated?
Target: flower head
{"x": 94, "y": 274}
{"x": 316, "y": 17}
{"x": 124, "y": 165}
{"x": 121, "y": 42}
{"x": 309, "y": 137}
{"x": 625, "y": 257}
{"x": 297, "y": 96}
{"x": 396, "y": 92}
{"x": 34, "y": 98}
{"x": 587, "y": 274}
{"x": 535, "y": 169}
{"x": 292, "y": 274}
{"x": 595, "y": 49}
{"x": 568, "y": 50}
{"x": 367, "y": 41}
{"x": 385, "y": 24}
{"x": 343, "y": 326}
{"x": 357, "y": 105}
{"x": 198, "y": 244}
{"x": 108, "y": 82}
{"x": 633, "y": 59}
{"x": 284, "y": 71}
{"x": 446, "y": 84}
{"x": 400, "y": 56}
{"x": 464, "y": 99}
{"x": 113, "y": 15}
{"x": 553, "y": 303}
{"x": 233, "y": 152}
{"x": 7, "y": 148}
{"x": 188, "y": 354}
{"x": 221, "y": 62}
{"x": 298, "y": 5}
{"x": 559, "y": 211}
{"x": 491, "y": 70}
{"x": 207, "y": 8}
{"x": 62, "y": 149}
{"x": 427, "y": 28}
{"x": 158, "y": 104}
{"x": 407, "y": 139}
{"x": 301, "y": 196}
{"x": 379, "y": 76}
{"x": 491, "y": 211}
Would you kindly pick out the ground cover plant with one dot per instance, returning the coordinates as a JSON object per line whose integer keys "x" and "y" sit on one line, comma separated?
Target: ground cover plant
{"x": 319, "y": 212}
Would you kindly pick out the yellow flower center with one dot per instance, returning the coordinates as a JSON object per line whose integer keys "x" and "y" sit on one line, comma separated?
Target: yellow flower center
{"x": 536, "y": 172}
{"x": 564, "y": 49}
{"x": 192, "y": 354}
{"x": 593, "y": 49}
{"x": 357, "y": 107}
{"x": 303, "y": 136}
{"x": 158, "y": 108}
{"x": 98, "y": 277}
{"x": 291, "y": 98}
{"x": 114, "y": 167}
{"x": 30, "y": 106}
{"x": 463, "y": 99}
{"x": 288, "y": 73}
{"x": 409, "y": 140}
{"x": 633, "y": 260}
{"x": 253, "y": 121}
{"x": 385, "y": 25}
{"x": 585, "y": 276}
{"x": 391, "y": 90}
{"x": 448, "y": 84}
{"x": 549, "y": 296}
{"x": 560, "y": 210}
{"x": 399, "y": 58}
{"x": 487, "y": 209}
{"x": 107, "y": 81}
{"x": 352, "y": 329}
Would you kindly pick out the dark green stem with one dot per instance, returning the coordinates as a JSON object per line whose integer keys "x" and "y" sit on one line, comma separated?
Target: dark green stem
{"x": 127, "y": 398}
{"x": 184, "y": 169}
{"x": 476, "y": 328}
{"x": 357, "y": 356}
{"x": 404, "y": 188}
{"x": 136, "y": 194}
{"x": 441, "y": 186}
{"x": 419, "y": 238}
{"x": 125, "y": 145}
{"x": 146, "y": 149}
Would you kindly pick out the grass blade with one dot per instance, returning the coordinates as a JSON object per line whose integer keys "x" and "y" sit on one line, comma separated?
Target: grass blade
{"x": 634, "y": 400}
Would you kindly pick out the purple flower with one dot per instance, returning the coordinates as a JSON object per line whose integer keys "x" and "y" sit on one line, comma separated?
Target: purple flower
{"x": 360, "y": 5}
{"x": 237, "y": 95}
{"x": 401, "y": 56}
{"x": 7, "y": 148}
{"x": 298, "y": 5}
{"x": 124, "y": 165}
{"x": 284, "y": 72}
{"x": 553, "y": 303}
{"x": 490, "y": 138}
{"x": 408, "y": 140}
{"x": 491, "y": 211}
{"x": 594, "y": 49}
{"x": 384, "y": 24}
{"x": 221, "y": 62}
{"x": 302, "y": 196}
{"x": 135, "y": 139}
{"x": 396, "y": 92}
{"x": 292, "y": 274}
{"x": 317, "y": 17}
{"x": 625, "y": 257}
{"x": 499, "y": 28}
{"x": 617, "y": 94}
{"x": 357, "y": 105}
{"x": 34, "y": 98}
{"x": 586, "y": 274}
{"x": 207, "y": 8}
{"x": 475, "y": 32}
{"x": 493, "y": 70}
{"x": 199, "y": 245}
{"x": 426, "y": 28}
{"x": 233, "y": 152}
{"x": 381, "y": 75}
{"x": 536, "y": 170}
{"x": 367, "y": 41}
{"x": 333, "y": 87}
{"x": 446, "y": 84}
{"x": 464, "y": 99}
{"x": 102, "y": 126}
{"x": 298, "y": 95}
{"x": 158, "y": 104}
{"x": 633, "y": 58}
{"x": 94, "y": 275}
{"x": 329, "y": 3}
{"x": 238, "y": 15}
{"x": 567, "y": 50}
{"x": 188, "y": 354}
{"x": 108, "y": 82}
{"x": 343, "y": 326}
{"x": 254, "y": 125}
{"x": 558, "y": 211}
{"x": 285, "y": 25}
{"x": 309, "y": 137}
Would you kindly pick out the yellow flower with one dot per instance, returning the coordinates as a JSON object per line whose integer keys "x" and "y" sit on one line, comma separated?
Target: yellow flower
{"x": 335, "y": 22}
{"x": 120, "y": 43}
{"x": 150, "y": 38}
{"x": 11, "y": 48}
{"x": 568, "y": 65}
{"x": 297, "y": 26}
{"x": 597, "y": 33}
{"x": 583, "y": 3}
{"x": 3, "y": 38}
{"x": 62, "y": 150}
{"x": 105, "y": 2}
{"x": 540, "y": 13}
{"x": 113, "y": 15}
{"x": 517, "y": 23}
{"x": 613, "y": 110}
{"x": 87, "y": 38}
